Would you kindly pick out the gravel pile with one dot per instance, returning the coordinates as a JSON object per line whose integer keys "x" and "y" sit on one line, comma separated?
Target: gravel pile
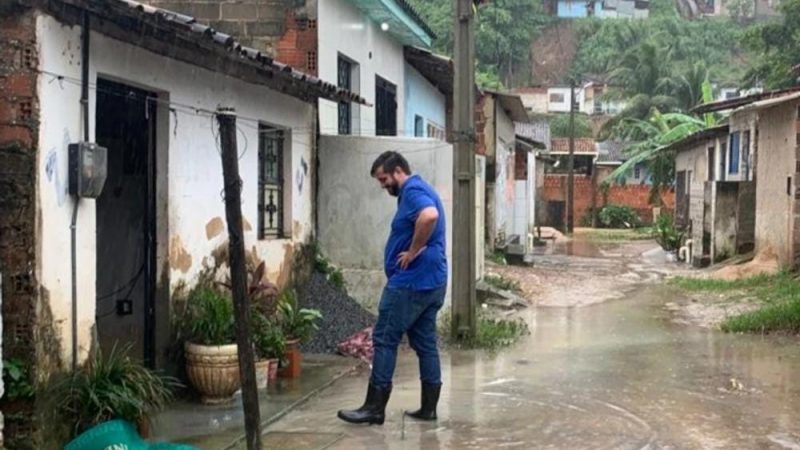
{"x": 342, "y": 316}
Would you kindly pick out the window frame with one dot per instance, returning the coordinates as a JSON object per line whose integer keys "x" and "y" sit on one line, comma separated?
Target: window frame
{"x": 274, "y": 183}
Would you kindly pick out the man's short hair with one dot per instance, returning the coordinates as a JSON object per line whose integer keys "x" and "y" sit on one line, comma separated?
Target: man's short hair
{"x": 389, "y": 161}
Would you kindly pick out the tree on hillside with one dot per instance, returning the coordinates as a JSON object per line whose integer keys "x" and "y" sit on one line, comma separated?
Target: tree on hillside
{"x": 777, "y": 46}
{"x": 504, "y": 32}
{"x": 559, "y": 126}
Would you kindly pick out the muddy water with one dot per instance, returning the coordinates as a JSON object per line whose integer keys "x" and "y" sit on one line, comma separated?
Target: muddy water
{"x": 614, "y": 375}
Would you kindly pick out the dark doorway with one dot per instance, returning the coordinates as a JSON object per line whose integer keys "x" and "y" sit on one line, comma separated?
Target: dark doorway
{"x": 126, "y": 220}
{"x": 556, "y": 211}
{"x": 385, "y": 108}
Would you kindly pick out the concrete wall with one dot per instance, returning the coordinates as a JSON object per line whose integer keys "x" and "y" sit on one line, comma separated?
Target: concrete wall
{"x": 355, "y": 214}
{"x": 776, "y": 181}
{"x": 190, "y": 212}
{"x": 505, "y": 145}
{"x": 424, "y": 100}
{"x": 723, "y": 235}
{"x": 343, "y": 29}
{"x": 534, "y": 102}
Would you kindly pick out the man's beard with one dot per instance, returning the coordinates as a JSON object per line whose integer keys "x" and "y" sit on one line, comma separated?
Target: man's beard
{"x": 393, "y": 190}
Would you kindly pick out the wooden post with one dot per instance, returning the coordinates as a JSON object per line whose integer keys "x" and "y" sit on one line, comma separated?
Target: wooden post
{"x": 233, "y": 213}
{"x": 464, "y": 321}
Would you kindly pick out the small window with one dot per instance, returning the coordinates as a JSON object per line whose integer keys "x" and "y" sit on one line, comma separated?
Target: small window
{"x": 345, "y": 81}
{"x": 385, "y": 107}
{"x": 419, "y": 126}
{"x": 637, "y": 172}
{"x": 557, "y": 98}
{"x": 435, "y": 131}
{"x": 733, "y": 162}
{"x": 270, "y": 182}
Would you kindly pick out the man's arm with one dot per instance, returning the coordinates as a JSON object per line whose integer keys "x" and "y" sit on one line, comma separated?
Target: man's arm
{"x": 423, "y": 229}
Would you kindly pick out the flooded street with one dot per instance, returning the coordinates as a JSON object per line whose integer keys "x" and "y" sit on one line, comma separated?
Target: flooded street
{"x": 616, "y": 374}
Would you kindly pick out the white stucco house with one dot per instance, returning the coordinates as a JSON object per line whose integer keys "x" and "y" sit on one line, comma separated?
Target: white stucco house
{"x": 154, "y": 81}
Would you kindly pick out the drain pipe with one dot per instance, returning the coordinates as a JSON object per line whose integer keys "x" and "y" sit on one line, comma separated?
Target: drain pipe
{"x": 73, "y": 227}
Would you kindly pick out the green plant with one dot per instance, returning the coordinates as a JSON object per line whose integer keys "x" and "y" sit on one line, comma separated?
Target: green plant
{"x": 618, "y": 216}
{"x": 491, "y": 334}
{"x": 665, "y": 233}
{"x": 297, "y": 323}
{"x": 497, "y": 257}
{"x": 209, "y": 318}
{"x": 110, "y": 387}
{"x": 503, "y": 283}
{"x": 268, "y": 337}
{"x": 16, "y": 380}
{"x": 331, "y": 272}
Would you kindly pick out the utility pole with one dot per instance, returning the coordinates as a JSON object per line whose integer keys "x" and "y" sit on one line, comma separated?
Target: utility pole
{"x": 233, "y": 213}
{"x": 464, "y": 239}
{"x": 571, "y": 162}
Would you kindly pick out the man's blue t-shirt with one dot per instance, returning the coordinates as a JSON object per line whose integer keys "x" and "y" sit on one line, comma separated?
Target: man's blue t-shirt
{"x": 429, "y": 270}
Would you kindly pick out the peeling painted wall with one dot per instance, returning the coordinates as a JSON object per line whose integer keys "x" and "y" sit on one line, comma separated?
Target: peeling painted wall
{"x": 190, "y": 172}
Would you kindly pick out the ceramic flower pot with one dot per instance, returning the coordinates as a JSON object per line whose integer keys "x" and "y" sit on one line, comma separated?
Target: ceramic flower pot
{"x": 213, "y": 371}
{"x": 293, "y": 360}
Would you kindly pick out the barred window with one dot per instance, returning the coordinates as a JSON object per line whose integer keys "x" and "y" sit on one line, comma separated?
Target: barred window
{"x": 270, "y": 182}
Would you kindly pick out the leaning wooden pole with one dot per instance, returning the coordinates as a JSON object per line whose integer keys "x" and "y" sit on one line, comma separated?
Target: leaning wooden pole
{"x": 233, "y": 212}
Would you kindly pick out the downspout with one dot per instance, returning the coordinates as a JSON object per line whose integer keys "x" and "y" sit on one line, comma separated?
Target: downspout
{"x": 74, "y": 224}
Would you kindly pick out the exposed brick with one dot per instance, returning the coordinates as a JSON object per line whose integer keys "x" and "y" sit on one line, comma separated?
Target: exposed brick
{"x": 239, "y": 11}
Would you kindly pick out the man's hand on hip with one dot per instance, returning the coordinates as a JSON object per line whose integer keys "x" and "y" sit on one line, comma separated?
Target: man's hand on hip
{"x": 406, "y": 258}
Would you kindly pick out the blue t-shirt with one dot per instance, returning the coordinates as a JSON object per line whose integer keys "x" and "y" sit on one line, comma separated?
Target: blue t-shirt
{"x": 429, "y": 270}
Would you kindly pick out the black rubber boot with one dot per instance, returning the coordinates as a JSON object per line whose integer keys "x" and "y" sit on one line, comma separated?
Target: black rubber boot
{"x": 374, "y": 409}
{"x": 430, "y": 398}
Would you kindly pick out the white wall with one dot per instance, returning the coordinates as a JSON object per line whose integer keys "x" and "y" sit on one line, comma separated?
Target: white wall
{"x": 191, "y": 165}
{"x": 355, "y": 214}
{"x": 342, "y": 28}
{"x": 504, "y": 179}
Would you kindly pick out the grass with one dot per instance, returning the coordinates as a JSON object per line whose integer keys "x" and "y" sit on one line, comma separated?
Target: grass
{"x": 710, "y": 285}
{"x": 497, "y": 257}
{"x": 492, "y": 333}
{"x": 503, "y": 283}
{"x": 779, "y": 296}
{"x": 612, "y": 235}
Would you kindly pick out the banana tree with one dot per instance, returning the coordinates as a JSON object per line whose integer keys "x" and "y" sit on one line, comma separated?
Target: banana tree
{"x": 653, "y": 138}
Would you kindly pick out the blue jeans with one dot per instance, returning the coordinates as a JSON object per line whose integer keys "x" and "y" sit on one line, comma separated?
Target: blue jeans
{"x": 414, "y": 313}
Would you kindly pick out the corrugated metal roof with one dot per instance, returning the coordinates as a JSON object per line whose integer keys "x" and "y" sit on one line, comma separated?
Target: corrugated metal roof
{"x": 700, "y": 136}
{"x": 512, "y": 104}
{"x": 733, "y": 103}
{"x": 130, "y": 16}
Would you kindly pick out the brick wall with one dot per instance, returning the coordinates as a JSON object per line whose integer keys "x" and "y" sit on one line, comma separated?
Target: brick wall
{"x": 284, "y": 29}
{"x": 635, "y": 196}
{"x": 18, "y": 144}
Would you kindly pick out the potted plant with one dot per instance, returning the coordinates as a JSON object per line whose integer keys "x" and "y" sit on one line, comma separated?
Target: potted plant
{"x": 212, "y": 359}
{"x": 110, "y": 387}
{"x": 270, "y": 346}
{"x": 298, "y": 325}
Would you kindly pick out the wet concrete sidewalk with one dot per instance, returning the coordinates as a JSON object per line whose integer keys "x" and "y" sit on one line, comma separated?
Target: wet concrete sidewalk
{"x": 612, "y": 375}
{"x": 221, "y": 427}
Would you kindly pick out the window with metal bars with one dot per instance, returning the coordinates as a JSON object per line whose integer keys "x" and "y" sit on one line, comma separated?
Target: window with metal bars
{"x": 345, "y": 73}
{"x": 270, "y": 182}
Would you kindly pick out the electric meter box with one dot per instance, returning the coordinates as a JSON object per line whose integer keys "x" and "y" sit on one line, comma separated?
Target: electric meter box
{"x": 87, "y": 169}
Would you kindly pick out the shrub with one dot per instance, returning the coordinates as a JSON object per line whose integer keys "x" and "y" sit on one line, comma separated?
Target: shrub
{"x": 665, "y": 233}
{"x": 209, "y": 319}
{"x": 618, "y": 216}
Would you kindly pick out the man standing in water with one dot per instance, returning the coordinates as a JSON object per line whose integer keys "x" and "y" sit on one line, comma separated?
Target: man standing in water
{"x": 415, "y": 263}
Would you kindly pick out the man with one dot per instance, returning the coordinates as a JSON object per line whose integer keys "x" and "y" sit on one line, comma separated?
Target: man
{"x": 415, "y": 263}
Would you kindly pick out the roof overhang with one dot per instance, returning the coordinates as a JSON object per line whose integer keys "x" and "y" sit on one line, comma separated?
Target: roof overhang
{"x": 435, "y": 68}
{"x": 512, "y": 105}
{"x": 698, "y": 137}
{"x": 182, "y": 38}
{"x": 755, "y": 106}
{"x": 733, "y": 103}
{"x": 531, "y": 144}
{"x": 404, "y": 22}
